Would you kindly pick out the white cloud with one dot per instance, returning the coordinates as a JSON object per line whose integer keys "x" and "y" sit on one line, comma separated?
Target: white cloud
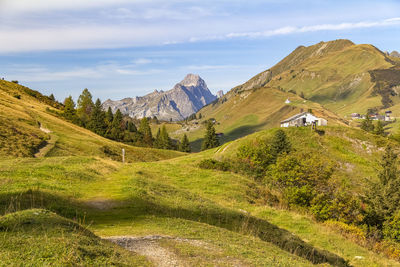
{"x": 42, "y": 74}
{"x": 142, "y": 61}
{"x": 22, "y": 6}
{"x": 312, "y": 28}
{"x": 94, "y": 36}
{"x": 211, "y": 67}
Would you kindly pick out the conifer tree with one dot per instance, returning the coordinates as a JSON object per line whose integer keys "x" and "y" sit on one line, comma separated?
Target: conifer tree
{"x": 52, "y": 98}
{"x": 164, "y": 138}
{"x": 280, "y": 144}
{"x": 157, "y": 140}
{"x": 184, "y": 146}
{"x": 97, "y": 121}
{"x": 131, "y": 127}
{"x": 385, "y": 195}
{"x": 109, "y": 116}
{"x": 210, "y": 138}
{"x": 69, "y": 108}
{"x": 145, "y": 130}
{"x": 367, "y": 124}
{"x": 379, "y": 128}
{"x": 116, "y": 129}
{"x": 85, "y": 106}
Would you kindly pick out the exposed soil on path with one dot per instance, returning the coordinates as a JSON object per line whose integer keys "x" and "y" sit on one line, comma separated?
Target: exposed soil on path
{"x": 49, "y": 144}
{"x": 149, "y": 247}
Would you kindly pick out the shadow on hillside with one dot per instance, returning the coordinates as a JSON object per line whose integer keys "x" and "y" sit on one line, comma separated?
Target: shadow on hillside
{"x": 29, "y": 199}
{"x": 241, "y": 223}
{"x": 136, "y": 206}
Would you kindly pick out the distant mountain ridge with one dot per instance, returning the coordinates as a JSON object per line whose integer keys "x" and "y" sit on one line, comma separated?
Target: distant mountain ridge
{"x": 186, "y": 98}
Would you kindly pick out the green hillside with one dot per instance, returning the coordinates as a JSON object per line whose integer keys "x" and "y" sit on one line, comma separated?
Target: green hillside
{"x": 201, "y": 215}
{"x": 23, "y": 110}
{"x": 65, "y": 188}
{"x": 334, "y": 79}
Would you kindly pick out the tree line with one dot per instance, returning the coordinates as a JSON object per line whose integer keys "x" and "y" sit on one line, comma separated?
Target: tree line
{"x": 116, "y": 126}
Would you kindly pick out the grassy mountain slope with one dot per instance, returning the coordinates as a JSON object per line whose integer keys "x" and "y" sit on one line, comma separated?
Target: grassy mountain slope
{"x": 337, "y": 74}
{"x": 246, "y": 112}
{"x": 223, "y": 211}
{"x": 336, "y": 78}
{"x": 21, "y": 112}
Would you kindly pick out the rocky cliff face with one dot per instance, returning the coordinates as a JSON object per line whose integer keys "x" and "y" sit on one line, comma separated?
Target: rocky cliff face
{"x": 186, "y": 98}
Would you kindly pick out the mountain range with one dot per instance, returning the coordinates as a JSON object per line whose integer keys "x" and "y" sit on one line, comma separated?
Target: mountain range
{"x": 184, "y": 99}
{"x": 334, "y": 79}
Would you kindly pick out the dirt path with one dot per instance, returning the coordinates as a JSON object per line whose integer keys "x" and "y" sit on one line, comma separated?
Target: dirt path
{"x": 50, "y": 143}
{"x": 149, "y": 247}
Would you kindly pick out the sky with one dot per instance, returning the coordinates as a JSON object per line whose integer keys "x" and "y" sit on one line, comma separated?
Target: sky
{"x": 127, "y": 48}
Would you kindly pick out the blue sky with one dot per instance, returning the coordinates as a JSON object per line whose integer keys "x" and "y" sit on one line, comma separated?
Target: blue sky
{"x": 124, "y": 48}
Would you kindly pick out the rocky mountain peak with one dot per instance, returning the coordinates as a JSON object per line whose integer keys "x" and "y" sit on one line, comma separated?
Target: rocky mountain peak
{"x": 192, "y": 80}
{"x": 186, "y": 98}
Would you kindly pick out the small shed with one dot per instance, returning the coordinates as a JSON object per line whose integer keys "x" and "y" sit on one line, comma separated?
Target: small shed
{"x": 303, "y": 119}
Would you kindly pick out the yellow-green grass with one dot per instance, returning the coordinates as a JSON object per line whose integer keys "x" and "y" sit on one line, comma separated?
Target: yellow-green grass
{"x": 41, "y": 238}
{"x": 176, "y": 198}
{"x": 24, "y": 115}
{"x": 339, "y": 80}
{"x": 334, "y": 78}
{"x": 122, "y": 200}
{"x": 252, "y": 111}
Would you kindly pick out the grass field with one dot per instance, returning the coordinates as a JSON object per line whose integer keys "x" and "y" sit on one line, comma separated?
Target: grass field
{"x": 73, "y": 193}
{"x": 176, "y": 198}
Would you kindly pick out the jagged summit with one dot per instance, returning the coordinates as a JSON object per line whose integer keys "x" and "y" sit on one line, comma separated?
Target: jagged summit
{"x": 193, "y": 80}
{"x": 186, "y": 98}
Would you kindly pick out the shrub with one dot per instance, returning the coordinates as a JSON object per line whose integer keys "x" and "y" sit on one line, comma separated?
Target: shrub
{"x": 17, "y": 96}
{"x": 391, "y": 227}
{"x": 214, "y": 165}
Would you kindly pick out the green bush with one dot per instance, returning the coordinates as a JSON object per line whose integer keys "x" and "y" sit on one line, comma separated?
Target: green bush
{"x": 391, "y": 227}
{"x": 213, "y": 164}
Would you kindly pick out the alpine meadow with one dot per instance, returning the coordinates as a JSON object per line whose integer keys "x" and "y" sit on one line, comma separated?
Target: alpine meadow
{"x": 297, "y": 165}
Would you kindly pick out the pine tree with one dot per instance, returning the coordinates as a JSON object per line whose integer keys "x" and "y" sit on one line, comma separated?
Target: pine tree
{"x": 85, "y": 106}
{"x": 280, "y": 144}
{"x": 184, "y": 145}
{"x": 116, "y": 132}
{"x": 210, "y": 138}
{"x": 69, "y": 108}
{"x": 385, "y": 195}
{"x": 97, "y": 122}
{"x": 52, "y": 98}
{"x": 157, "y": 140}
{"x": 131, "y": 127}
{"x": 109, "y": 116}
{"x": 379, "y": 128}
{"x": 164, "y": 137}
{"x": 367, "y": 124}
{"x": 145, "y": 130}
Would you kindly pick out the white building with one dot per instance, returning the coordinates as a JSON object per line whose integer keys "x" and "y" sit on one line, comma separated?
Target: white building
{"x": 287, "y": 101}
{"x": 303, "y": 119}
